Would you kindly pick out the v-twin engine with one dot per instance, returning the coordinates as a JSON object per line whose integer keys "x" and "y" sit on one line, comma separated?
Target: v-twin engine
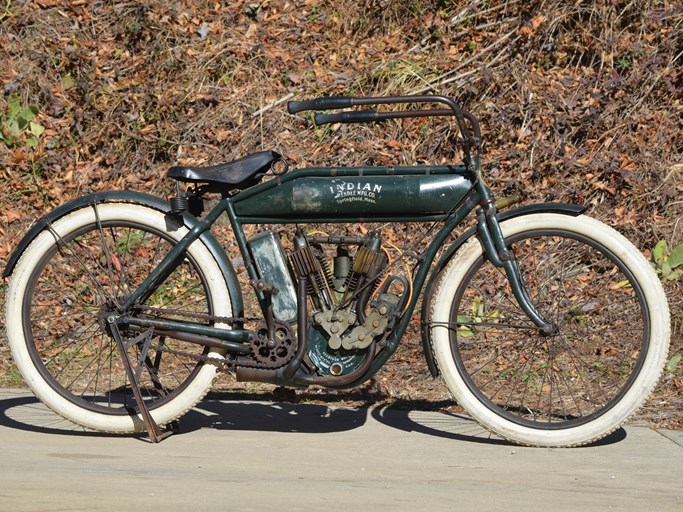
{"x": 354, "y": 300}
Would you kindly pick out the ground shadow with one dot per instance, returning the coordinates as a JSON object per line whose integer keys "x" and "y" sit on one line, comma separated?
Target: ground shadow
{"x": 444, "y": 424}
{"x": 272, "y": 417}
{"x": 277, "y": 412}
{"x": 29, "y": 414}
{"x": 218, "y": 411}
{"x": 455, "y": 426}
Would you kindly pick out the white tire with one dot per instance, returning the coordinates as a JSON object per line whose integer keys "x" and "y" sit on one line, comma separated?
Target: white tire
{"x": 563, "y": 390}
{"x": 56, "y": 294}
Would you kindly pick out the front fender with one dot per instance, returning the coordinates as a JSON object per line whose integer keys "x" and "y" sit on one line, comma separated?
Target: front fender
{"x": 154, "y": 202}
{"x": 561, "y": 208}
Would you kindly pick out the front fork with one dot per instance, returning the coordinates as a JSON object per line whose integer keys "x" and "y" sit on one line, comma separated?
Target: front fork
{"x": 502, "y": 257}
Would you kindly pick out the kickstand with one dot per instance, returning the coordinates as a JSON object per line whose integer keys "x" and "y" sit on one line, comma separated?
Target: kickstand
{"x": 156, "y": 434}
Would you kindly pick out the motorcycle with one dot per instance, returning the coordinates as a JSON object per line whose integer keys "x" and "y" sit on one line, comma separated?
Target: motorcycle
{"x": 547, "y": 326}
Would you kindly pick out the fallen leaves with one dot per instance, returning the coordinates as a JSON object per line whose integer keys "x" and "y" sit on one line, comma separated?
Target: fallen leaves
{"x": 11, "y": 215}
{"x": 532, "y": 26}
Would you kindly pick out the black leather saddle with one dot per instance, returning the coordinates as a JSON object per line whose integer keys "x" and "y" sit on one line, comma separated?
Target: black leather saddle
{"x": 239, "y": 173}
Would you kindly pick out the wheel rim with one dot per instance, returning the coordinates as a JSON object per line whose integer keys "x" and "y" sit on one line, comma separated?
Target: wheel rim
{"x": 560, "y": 381}
{"x": 75, "y": 284}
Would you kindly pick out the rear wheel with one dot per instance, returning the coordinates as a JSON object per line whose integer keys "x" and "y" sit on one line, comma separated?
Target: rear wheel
{"x": 576, "y": 385}
{"x": 75, "y": 273}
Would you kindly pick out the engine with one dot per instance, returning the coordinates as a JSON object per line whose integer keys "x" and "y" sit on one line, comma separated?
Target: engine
{"x": 354, "y": 299}
{"x": 354, "y": 302}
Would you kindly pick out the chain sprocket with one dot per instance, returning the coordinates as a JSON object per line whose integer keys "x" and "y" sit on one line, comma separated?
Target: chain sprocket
{"x": 273, "y": 353}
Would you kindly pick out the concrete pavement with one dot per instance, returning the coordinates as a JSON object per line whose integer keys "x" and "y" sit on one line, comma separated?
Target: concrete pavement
{"x": 281, "y": 456}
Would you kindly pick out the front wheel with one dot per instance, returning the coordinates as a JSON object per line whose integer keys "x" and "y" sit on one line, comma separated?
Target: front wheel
{"x": 571, "y": 387}
{"x": 78, "y": 270}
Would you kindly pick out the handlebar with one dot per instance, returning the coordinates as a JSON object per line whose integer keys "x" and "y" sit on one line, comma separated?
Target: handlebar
{"x": 329, "y": 103}
{"x": 369, "y": 116}
{"x": 364, "y": 116}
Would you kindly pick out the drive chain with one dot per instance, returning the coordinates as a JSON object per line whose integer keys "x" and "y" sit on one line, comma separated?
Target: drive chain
{"x": 255, "y": 362}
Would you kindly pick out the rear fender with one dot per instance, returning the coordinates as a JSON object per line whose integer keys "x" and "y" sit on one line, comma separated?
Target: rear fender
{"x": 156, "y": 203}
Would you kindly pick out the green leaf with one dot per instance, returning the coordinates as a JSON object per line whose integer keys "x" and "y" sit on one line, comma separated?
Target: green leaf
{"x": 13, "y": 105}
{"x": 29, "y": 113}
{"x": 675, "y": 274}
{"x": 22, "y": 123}
{"x": 676, "y": 257}
{"x": 31, "y": 141}
{"x": 659, "y": 251}
{"x": 673, "y": 362}
{"x": 478, "y": 309}
{"x": 67, "y": 82}
{"x": 666, "y": 269}
{"x": 36, "y": 129}
{"x": 464, "y": 331}
{"x": 13, "y": 125}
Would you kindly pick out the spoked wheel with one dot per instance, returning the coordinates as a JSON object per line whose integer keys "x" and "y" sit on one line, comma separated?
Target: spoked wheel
{"x": 577, "y": 384}
{"x": 72, "y": 277}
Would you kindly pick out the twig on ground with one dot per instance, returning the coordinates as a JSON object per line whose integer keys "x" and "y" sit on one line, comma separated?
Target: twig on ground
{"x": 272, "y": 105}
{"x": 440, "y": 79}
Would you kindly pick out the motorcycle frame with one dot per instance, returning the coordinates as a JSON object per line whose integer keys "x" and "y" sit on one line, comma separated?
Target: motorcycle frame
{"x": 479, "y": 198}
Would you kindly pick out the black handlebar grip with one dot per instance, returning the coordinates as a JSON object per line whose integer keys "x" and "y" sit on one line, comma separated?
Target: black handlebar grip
{"x": 328, "y": 103}
{"x": 346, "y": 117}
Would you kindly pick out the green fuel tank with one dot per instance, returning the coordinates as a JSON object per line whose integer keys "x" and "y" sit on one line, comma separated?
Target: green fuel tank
{"x": 360, "y": 192}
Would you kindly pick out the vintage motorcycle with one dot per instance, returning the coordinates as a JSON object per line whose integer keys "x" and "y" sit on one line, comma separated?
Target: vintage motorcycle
{"x": 547, "y": 326}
